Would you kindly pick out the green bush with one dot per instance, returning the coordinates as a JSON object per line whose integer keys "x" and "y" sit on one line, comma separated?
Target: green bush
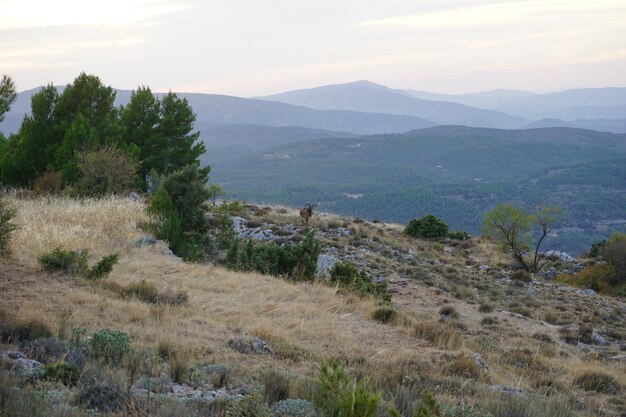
{"x": 69, "y": 261}
{"x": 348, "y": 277}
{"x": 7, "y": 213}
{"x": 109, "y": 345}
{"x": 297, "y": 262}
{"x": 251, "y": 405}
{"x": 460, "y": 235}
{"x": 338, "y": 395}
{"x": 104, "y": 266}
{"x": 385, "y": 314}
{"x": 24, "y": 330}
{"x": 105, "y": 171}
{"x": 187, "y": 189}
{"x": 427, "y": 227}
{"x": 75, "y": 263}
{"x": 62, "y": 372}
{"x": 142, "y": 290}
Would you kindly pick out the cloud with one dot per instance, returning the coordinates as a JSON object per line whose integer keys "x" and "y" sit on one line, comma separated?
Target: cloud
{"x": 79, "y": 12}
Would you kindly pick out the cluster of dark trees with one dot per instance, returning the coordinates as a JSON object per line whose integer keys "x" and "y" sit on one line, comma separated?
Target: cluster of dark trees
{"x": 66, "y": 130}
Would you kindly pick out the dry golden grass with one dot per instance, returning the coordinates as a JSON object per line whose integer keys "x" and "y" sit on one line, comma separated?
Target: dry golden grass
{"x": 101, "y": 226}
{"x": 304, "y": 323}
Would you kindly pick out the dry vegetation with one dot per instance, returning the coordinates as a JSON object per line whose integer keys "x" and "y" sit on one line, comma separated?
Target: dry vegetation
{"x": 448, "y": 310}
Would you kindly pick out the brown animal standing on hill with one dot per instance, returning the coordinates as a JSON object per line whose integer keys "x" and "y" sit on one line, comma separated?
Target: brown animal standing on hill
{"x": 307, "y": 212}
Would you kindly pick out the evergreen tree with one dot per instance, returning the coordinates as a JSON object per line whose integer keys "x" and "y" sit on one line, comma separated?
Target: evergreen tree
{"x": 176, "y": 126}
{"x": 140, "y": 120}
{"x": 7, "y": 95}
{"x": 31, "y": 151}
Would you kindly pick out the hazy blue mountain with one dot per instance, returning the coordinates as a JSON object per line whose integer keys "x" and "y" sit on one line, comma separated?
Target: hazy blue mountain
{"x": 600, "y": 125}
{"x": 220, "y": 109}
{"x": 588, "y": 103}
{"x": 454, "y": 172}
{"x": 226, "y": 143}
{"x": 549, "y": 123}
{"x": 365, "y": 96}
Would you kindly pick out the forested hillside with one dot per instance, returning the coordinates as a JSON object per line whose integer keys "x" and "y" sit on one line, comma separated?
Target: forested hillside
{"x": 455, "y": 172}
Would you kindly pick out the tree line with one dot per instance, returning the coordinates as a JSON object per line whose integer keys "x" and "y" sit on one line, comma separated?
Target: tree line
{"x": 69, "y": 133}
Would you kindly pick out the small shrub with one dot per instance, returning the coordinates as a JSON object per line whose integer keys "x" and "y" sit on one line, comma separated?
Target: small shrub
{"x": 485, "y": 308}
{"x": 521, "y": 276}
{"x": 348, "y": 277}
{"x": 142, "y": 290}
{"x": 251, "y": 405}
{"x": 7, "y": 228}
{"x": 550, "y": 316}
{"x": 463, "y": 366}
{"x": 460, "y": 235}
{"x": 104, "y": 266}
{"x": 297, "y": 261}
{"x": 174, "y": 298}
{"x": 49, "y": 183}
{"x": 44, "y": 349}
{"x": 62, "y": 372}
{"x": 293, "y": 408}
{"x": 69, "y": 261}
{"x": 449, "y": 311}
{"x": 463, "y": 410}
{"x": 341, "y": 396}
{"x": 439, "y": 247}
{"x": 110, "y": 345}
{"x": 104, "y": 171}
{"x": 439, "y": 334}
{"x": 26, "y": 330}
{"x": 385, "y": 315}
{"x": 489, "y": 321}
{"x": 102, "y": 396}
{"x": 598, "y": 382}
{"x": 179, "y": 365}
{"x": 275, "y": 387}
{"x": 428, "y": 226}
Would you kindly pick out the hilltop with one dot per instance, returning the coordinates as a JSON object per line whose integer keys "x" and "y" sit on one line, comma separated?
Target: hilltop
{"x": 465, "y": 327}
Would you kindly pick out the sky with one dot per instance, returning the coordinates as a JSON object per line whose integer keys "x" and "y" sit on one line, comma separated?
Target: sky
{"x": 256, "y": 47}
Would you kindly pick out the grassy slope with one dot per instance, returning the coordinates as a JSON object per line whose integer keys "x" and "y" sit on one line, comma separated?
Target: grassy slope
{"x": 312, "y": 318}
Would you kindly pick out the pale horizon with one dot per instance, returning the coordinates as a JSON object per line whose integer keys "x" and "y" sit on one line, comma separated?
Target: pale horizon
{"x": 243, "y": 48}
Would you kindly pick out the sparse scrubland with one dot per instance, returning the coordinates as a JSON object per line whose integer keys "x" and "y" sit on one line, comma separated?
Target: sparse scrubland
{"x": 461, "y": 335}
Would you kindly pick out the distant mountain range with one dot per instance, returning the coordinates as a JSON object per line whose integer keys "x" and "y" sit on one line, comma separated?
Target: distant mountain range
{"x": 365, "y": 96}
{"x": 213, "y": 109}
{"x": 364, "y": 107}
{"x": 589, "y": 103}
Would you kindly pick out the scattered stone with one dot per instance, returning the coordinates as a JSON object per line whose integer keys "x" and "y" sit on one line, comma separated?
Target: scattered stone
{"x": 587, "y": 292}
{"x": 481, "y": 362}
{"x": 506, "y": 390}
{"x": 145, "y": 241}
{"x": 558, "y": 255}
{"x": 19, "y": 360}
{"x": 135, "y": 197}
{"x": 483, "y": 268}
{"x": 551, "y": 273}
{"x": 254, "y": 346}
{"x": 324, "y": 264}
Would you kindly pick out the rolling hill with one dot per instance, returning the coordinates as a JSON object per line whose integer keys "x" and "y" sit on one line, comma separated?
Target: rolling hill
{"x": 456, "y": 173}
